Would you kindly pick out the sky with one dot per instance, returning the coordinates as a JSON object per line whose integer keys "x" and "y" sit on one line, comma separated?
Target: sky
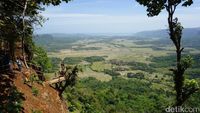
{"x": 110, "y": 16}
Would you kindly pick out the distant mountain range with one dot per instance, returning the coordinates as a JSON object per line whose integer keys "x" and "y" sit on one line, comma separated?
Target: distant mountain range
{"x": 187, "y": 33}
{"x": 191, "y": 38}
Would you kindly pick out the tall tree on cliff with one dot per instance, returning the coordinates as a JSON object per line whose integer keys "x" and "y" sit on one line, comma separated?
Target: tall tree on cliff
{"x": 17, "y": 18}
{"x": 154, "y": 7}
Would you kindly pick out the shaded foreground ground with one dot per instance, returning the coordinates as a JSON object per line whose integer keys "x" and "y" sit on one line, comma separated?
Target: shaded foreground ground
{"x": 46, "y": 100}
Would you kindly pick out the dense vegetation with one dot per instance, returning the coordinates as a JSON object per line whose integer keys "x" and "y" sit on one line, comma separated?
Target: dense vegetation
{"x": 163, "y": 42}
{"x": 169, "y": 61}
{"x": 117, "y": 95}
{"x": 55, "y": 63}
{"x": 134, "y": 65}
{"x": 40, "y": 59}
{"x": 14, "y": 102}
{"x": 77, "y": 60}
{"x": 54, "y": 44}
{"x": 94, "y": 59}
{"x": 111, "y": 72}
{"x": 72, "y": 60}
{"x": 121, "y": 95}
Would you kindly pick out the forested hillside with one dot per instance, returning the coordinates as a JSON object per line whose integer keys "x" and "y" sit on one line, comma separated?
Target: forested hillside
{"x": 188, "y": 33}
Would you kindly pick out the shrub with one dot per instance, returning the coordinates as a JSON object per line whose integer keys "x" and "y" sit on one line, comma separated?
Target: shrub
{"x": 36, "y": 111}
{"x": 35, "y": 91}
{"x": 72, "y": 60}
{"x": 135, "y": 75}
{"x": 13, "y": 103}
{"x": 111, "y": 72}
{"x": 94, "y": 59}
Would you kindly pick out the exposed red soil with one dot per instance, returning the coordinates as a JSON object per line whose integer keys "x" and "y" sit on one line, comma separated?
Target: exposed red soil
{"x": 47, "y": 100}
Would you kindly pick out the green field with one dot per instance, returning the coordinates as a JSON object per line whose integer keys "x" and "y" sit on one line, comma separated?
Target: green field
{"x": 125, "y": 50}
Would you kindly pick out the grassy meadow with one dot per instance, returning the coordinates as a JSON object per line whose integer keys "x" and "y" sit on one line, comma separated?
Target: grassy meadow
{"x": 126, "y": 50}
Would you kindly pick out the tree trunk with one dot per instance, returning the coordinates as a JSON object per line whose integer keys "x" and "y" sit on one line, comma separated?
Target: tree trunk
{"x": 23, "y": 22}
{"x": 179, "y": 80}
{"x": 12, "y": 50}
{"x": 59, "y": 79}
{"x": 178, "y": 73}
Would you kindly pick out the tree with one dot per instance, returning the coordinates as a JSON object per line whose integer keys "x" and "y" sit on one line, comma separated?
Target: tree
{"x": 70, "y": 74}
{"x": 41, "y": 59}
{"x": 17, "y": 18}
{"x": 154, "y": 7}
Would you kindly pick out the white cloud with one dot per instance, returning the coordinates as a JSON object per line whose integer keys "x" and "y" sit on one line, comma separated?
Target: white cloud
{"x": 75, "y": 22}
{"x": 118, "y": 23}
{"x": 70, "y": 15}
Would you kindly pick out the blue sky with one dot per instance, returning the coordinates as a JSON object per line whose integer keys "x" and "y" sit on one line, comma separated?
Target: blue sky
{"x": 110, "y": 16}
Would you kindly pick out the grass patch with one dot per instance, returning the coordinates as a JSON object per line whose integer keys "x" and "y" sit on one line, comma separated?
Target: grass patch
{"x": 100, "y": 66}
{"x": 35, "y": 91}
